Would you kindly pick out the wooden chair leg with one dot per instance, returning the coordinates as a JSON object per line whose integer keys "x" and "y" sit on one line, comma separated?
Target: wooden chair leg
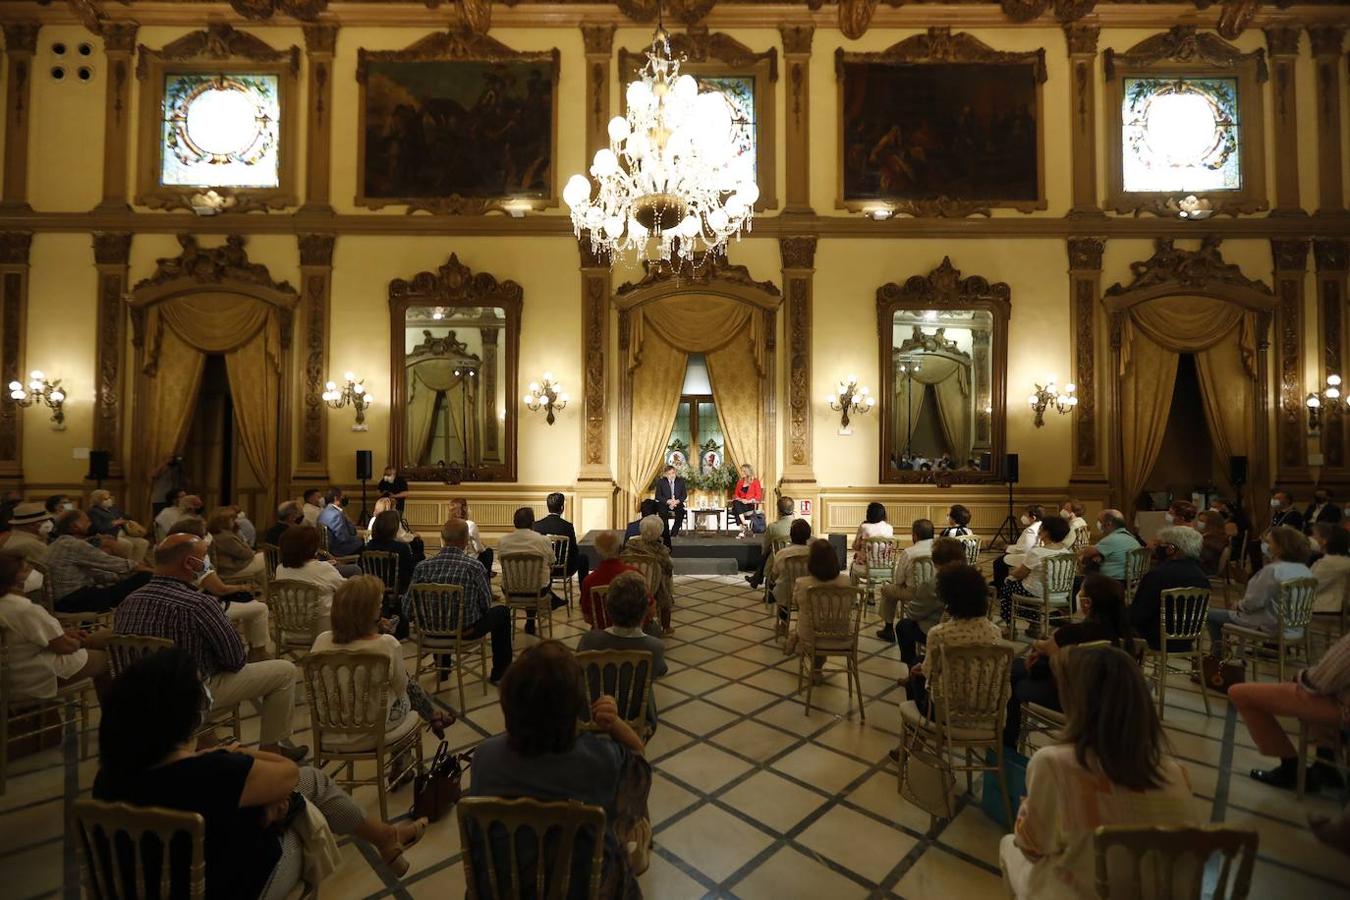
{"x": 483, "y": 663}
{"x": 1204, "y": 688}
{"x": 460, "y": 663}
{"x": 810, "y": 680}
{"x": 381, "y": 784}
{"x": 1003, "y": 786}
{"x": 857, "y": 679}
{"x": 1162, "y": 681}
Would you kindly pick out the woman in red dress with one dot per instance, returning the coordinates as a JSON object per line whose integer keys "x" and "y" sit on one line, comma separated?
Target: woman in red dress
{"x": 748, "y": 497}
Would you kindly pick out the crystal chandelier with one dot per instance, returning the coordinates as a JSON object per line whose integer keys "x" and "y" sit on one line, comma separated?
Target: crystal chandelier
{"x": 670, "y": 183}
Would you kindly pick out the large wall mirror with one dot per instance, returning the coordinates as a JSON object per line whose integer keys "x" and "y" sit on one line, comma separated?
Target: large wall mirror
{"x": 455, "y": 340}
{"x": 943, "y": 361}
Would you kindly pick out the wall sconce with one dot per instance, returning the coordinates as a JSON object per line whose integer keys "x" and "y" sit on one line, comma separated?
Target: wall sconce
{"x": 849, "y": 396}
{"x": 39, "y": 388}
{"x": 1048, "y": 396}
{"x": 1330, "y": 396}
{"x": 352, "y": 392}
{"x": 547, "y": 396}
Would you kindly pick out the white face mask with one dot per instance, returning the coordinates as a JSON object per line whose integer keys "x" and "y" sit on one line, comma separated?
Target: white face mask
{"x": 1026, "y": 521}
{"x": 46, "y": 527}
{"x": 1169, "y": 518}
{"x": 1066, "y": 514}
{"x": 67, "y": 505}
{"x": 1265, "y": 549}
{"x": 1316, "y": 544}
{"x": 1098, "y": 526}
{"x": 1274, "y": 502}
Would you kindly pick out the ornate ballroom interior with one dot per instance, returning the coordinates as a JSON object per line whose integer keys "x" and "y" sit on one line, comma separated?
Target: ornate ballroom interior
{"x": 976, "y": 253}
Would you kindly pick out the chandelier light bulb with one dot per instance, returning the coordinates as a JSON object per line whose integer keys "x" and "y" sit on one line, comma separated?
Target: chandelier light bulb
{"x": 37, "y": 375}
{"x": 18, "y": 394}
{"x": 1334, "y": 380}
{"x": 332, "y": 385}
{"x": 15, "y": 386}
{"x": 1313, "y": 401}
{"x": 563, "y": 398}
{"x": 349, "y": 376}
{"x": 359, "y": 389}
{"x": 534, "y": 387}
{"x": 1070, "y": 388}
{"x": 58, "y": 396}
{"x": 528, "y": 399}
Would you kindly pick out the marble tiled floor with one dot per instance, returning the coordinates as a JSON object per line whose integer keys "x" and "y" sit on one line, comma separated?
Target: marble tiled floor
{"x": 752, "y": 797}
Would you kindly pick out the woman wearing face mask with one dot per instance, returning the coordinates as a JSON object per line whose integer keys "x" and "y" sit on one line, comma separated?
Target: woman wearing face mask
{"x": 1213, "y": 540}
{"x": 1031, "y": 527}
{"x": 1289, "y": 552}
{"x": 1333, "y": 569}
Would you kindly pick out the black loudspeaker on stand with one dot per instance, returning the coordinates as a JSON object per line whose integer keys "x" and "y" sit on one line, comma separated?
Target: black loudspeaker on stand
{"x": 1009, "y": 531}
{"x": 363, "y": 473}
{"x": 98, "y": 466}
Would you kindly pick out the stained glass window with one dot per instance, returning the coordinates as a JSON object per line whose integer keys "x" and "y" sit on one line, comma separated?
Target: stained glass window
{"x": 739, "y": 90}
{"x": 220, "y": 131}
{"x": 1181, "y": 135}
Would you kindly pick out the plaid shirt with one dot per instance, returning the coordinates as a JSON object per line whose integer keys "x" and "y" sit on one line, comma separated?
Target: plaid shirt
{"x": 74, "y": 564}
{"x": 453, "y": 566}
{"x": 173, "y": 609}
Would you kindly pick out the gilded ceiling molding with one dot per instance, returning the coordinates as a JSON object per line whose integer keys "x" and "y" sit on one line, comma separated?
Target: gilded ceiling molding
{"x": 797, "y": 39}
{"x": 698, "y": 45}
{"x": 218, "y": 41}
{"x": 687, "y": 11}
{"x": 259, "y": 10}
{"x": 1182, "y": 43}
{"x": 855, "y": 16}
{"x": 112, "y": 252}
{"x": 941, "y": 45}
{"x": 1072, "y": 10}
{"x": 598, "y": 39}
{"x": 1082, "y": 39}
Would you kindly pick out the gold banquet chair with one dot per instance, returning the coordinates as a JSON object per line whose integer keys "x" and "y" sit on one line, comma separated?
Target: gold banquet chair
{"x": 837, "y": 615}
{"x": 1136, "y": 564}
{"x": 558, "y": 574}
{"x": 295, "y": 610}
{"x": 792, "y": 568}
{"x": 625, "y": 675}
{"x": 522, "y": 575}
{"x": 1160, "y": 862}
{"x": 1292, "y": 638}
{"x": 383, "y": 564}
{"x": 437, "y": 623}
{"x": 1181, "y": 617}
{"x": 880, "y": 555}
{"x": 493, "y": 831}
{"x": 125, "y": 649}
{"x": 1057, "y": 574}
{"x": 14, "y": 709}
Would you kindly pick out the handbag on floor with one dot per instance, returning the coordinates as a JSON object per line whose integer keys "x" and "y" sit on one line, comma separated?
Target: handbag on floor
{"x": 757, "y": 523}
{"x": 440, "y": 787}
{"x": 1220, "y": 675}
{"x": 926, "y": 782}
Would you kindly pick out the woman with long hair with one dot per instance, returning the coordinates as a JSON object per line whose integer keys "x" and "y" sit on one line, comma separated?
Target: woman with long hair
{"x": 822, "y": 570}
{"x": 747, "y": 497}
{"x": 1108, "y": 767}
{"x": 874, "y": 524}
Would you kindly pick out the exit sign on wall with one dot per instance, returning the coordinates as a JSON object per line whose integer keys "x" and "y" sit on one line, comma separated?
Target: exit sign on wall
{"x": 806, "y": 507}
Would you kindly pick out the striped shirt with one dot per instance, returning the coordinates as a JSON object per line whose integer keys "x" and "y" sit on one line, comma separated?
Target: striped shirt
{"x": 1331, "y": 676}
{"x": 453, "y": 566}
{"x": 173, "y": 609}
{"x": 75, "y": 564}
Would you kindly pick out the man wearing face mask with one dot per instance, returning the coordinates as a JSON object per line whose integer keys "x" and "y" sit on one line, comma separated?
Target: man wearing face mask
{"x": 342, "y": 537}
{"x": 1115, "y": 543}
{"x": 106, "y": 519}
{"x": 169, "y": 606}
{"x": 55, "y": 504}
{"x": 1031, "y": 529}
{"x": 1320, "y": 510}
{"x": 1282, "y": 511}
{"x": 84, "y": 578}
{"x": 1176, "y": 564}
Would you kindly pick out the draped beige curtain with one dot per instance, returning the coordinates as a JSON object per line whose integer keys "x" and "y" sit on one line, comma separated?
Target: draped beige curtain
{"x": 950, "y": 379}
{"x": 176, "y": 378}
{"x": 657, "y": 376}
{"x": 428, "y": 381}
{"x": 1223, "y": 338}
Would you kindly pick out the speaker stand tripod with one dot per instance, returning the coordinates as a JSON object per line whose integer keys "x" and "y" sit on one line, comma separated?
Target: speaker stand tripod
{"x": 365, "y": 514}
{"x": 1009, "y": 531}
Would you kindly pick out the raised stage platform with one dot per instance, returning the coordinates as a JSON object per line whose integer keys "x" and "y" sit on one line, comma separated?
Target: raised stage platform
{"x": 715, "y": 551}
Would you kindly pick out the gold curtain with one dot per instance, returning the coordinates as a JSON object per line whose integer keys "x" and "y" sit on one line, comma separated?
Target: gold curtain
{"x": 1229, "y": 396}
{"x": 254, "y": 387}
{"x": 427, "y": 381}
{"x": 735, "y": 386}
{"x": 657, "y": 373}
{"x": 1145, "y": 400}
{"x": 910, "y": 397}
{"x": 176, "y": 375}
{"x": 950, "y": 379}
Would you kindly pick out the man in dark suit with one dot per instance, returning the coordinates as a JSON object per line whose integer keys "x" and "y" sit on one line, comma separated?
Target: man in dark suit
{"x": 648, "y": 507}
{"x": 671, "y": 493}
{"x": 1320, "y": 510}
{"x": 554, "y": 523}
{"x": 1283, "y": 511}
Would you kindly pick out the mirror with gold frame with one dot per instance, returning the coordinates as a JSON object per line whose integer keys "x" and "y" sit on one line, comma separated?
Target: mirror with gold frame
{"x": 454, "y": 347}
{"x": 943, "y": 354}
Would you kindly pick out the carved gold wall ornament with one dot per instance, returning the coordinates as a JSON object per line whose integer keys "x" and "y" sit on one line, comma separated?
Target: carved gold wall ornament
{"x": 476, "y": 15}
{"x": 855, "y": 16}
{"x": 227, "y": 262}
{"x": 219, "y": 41}
{"x": 686, "y": 11}
{"x": 715, "y": 269}
{"x": 1204, "y": 267}
{"x": 1073, "y": 10}
{"x": 304, "y": 10}
{"x": 1024, "y": 10}
{"x": 1184, "y": 44}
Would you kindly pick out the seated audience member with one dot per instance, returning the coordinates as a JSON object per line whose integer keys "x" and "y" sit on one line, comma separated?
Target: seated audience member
{"x": 1116, "y": 541}
{"x": 1333, "y": 568}
{"x": 1108, "y": 768}
{"x": 25, "y": 537}
{"x": 1028, "y": 578}
{"x": 608, "y": 545}
{"x": 253, "y": 847}
{"x": 107, "y": 520}
{"x": 1213, "y": 540}
{"x": 822, "y": 570}
{"x": 245, "y": 612}
{"x": 357, "y": 626}
{"x": 394, "y": 486}
{"x": 627, "y": 604}
{"x": 901, "y": 590}
{"x": 873, "y": 525}
{"x": 965, "y": 594}
{"x": 167, "y": 483}
{"x": 1101, "y": 601}
{"x": 1289, "y": 553}
{"x": 43, "y": 655}
{"x": 481, "y": 616}
{"x": 384, "y": 538}
{"x": 776, "y": 532}
{"x": 402, "y": 533}
{"x": 171, "y": 607}
{"x": 958, "y": 522}
{"x": 342, "y": 537}
{"x": 312, "y": 506}
{"x": 648, "y": 507}
{"x": 1283, "y": 511}
{"x": 1072, "y": 511}
{"x": 542, "y": 755}
{"x": 298, "y": 560}
{"x": 746, "y": 497}
{"x": 924, "y": 611}
{"x": 526, "y": 540}
{"x": 1031, "y": 521}
{"x": 1238, "y": 527}
{"x": 180, "y": 504}
{"x": 233, "y": 556}
{"x": 459, "y": 509}
{"x": 799, "y": 536}
{"x": 246, "y": 529}
{"x": 554, "y": 524}
{"x": 1319, "y": 695}
{"x": 1181, "y": 512}
{"x": 1176, "y": 564}
{"x": 86, "y": 579}
{"x": 648, "y": 543}
{"x": 671, "y": 494}
{"x": 288, "y": 514}
{"x": 1321, "y": 510}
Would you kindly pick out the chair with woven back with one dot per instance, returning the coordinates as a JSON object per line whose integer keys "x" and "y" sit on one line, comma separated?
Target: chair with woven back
{"x": 1082, "y": 538}
{"x": 625, "y": 675}
{"x": 295, "y": 610}
{"x": 1056, "y": 594}
{"x": 493, "y": 832}
{"x": 1291, "y": 640}
{"x": 1137, "y": 562}
{"x": 967, "y": 715}
{"x": 121, "y": 851}
{"x": 1220, "y": 581}
{"x": 880, "y": 556}
{"x": 526, "y": 586}
{"x": 836, "y": 617}
{"x": 1181, "y": 617}
{"x": 1169, "y": 861}
{"x": 383, "y": 564}
{"x": 15, "y": 710}
{"x": 436, "y": 623}
{"x": 649, "y": 566}
{"x": 348, "y": 696}
{"x": 558, "y": 574}
{"x": 788, "y": 571}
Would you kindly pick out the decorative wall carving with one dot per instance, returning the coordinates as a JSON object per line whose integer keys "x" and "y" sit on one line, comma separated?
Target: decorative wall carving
{"x": 21, "y": 37}
{"x": 686, "y": 11}
{"x": 1290, "y": 262}
{"x": 797, "y": 38}
{"x": 855, "y": 16}
{"x": 316, "y": 261}
{"x": 698, "y": 45}
{"x": 112, "y": 251}
{"x": 228, "y": 262}
{"x": 939, "y": 44}
{"x": 799, "y": 259}
{"x": 598, "y": 39}
{"x": 14, "y": 247}
{"x": 1082, "y": 39}
{"x": 1331, "y": 257}
{"x": 13, "y": 299}
{"x": 1085, "y": 263}
{"x": 219, "y": 42}
{"x": 1282, "y": 40}
{"x": 1186, "y": 268}
{"x": 1183, "y": 43}
{"x": 119, "y": 37}
{"x": 595, "y": 303}
{"x": 321, "y": 38}
{"x": 798, "y": 252}
{"x": 316, "y": 249}
{"x": 304, "y": 10}
{"x": 715, "y": 269}
{"x": 1289, "y": 256}
{"x": 1086, "y": 253}
{"x": 1326, "y": 40}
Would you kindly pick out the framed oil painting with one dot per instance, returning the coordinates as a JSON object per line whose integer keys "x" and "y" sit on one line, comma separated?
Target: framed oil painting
{"x": 941, "y": 125}
{"x": 457, "y": 123}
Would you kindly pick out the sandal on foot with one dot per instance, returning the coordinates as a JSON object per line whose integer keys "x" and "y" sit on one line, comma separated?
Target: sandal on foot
{"x": 419, "y": 829}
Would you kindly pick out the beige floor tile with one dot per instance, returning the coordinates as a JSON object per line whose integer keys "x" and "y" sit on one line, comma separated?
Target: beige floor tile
{"x": 33, "y": 872}
{"x": 1293, "y": 846}
{"x": 448, "y": 882}
{"x": 1279, "y": 882}
{"x": 665, "y": 881}
{"x": 880, "y": 795}
{"x": 724, "y": 643}
{"x": 820, "y": 768}
{"x": 775, "y": 681}
{"x": 939, "y": 876}
{"x": 773, "y": 800}
{"x": 693, "y": 681}
{"x": 755, "y": 741}
{"x": 792, "y": 716}
{"x": 860, "y": 739}
{"x": 704, "y": 767}
{"x": 731, "y": 666}
{"x": 857, "y": 843}
{"x": 715, "y": 842}
{"x": 667, "y": 798}
{"x": 742, "y": 698}
{"x": 769, "y": 654}
{"x": 790, "y": 873}
{"x": 697, "y": 717}
{"x": 665, "y": 741}
{"x": 975, "y": 834}
{"x": 692, "y": 654}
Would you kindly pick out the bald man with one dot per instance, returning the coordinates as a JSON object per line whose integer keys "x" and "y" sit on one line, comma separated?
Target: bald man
{"x": 1111, "y": 548}
{"x": 171, "y": 607}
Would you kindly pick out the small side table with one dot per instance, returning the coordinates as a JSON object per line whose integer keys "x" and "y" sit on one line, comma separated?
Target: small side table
{"x": 701, "y": 517}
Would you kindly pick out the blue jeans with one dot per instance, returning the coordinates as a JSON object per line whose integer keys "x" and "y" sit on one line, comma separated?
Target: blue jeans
{"x": 1215, "y": 620}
